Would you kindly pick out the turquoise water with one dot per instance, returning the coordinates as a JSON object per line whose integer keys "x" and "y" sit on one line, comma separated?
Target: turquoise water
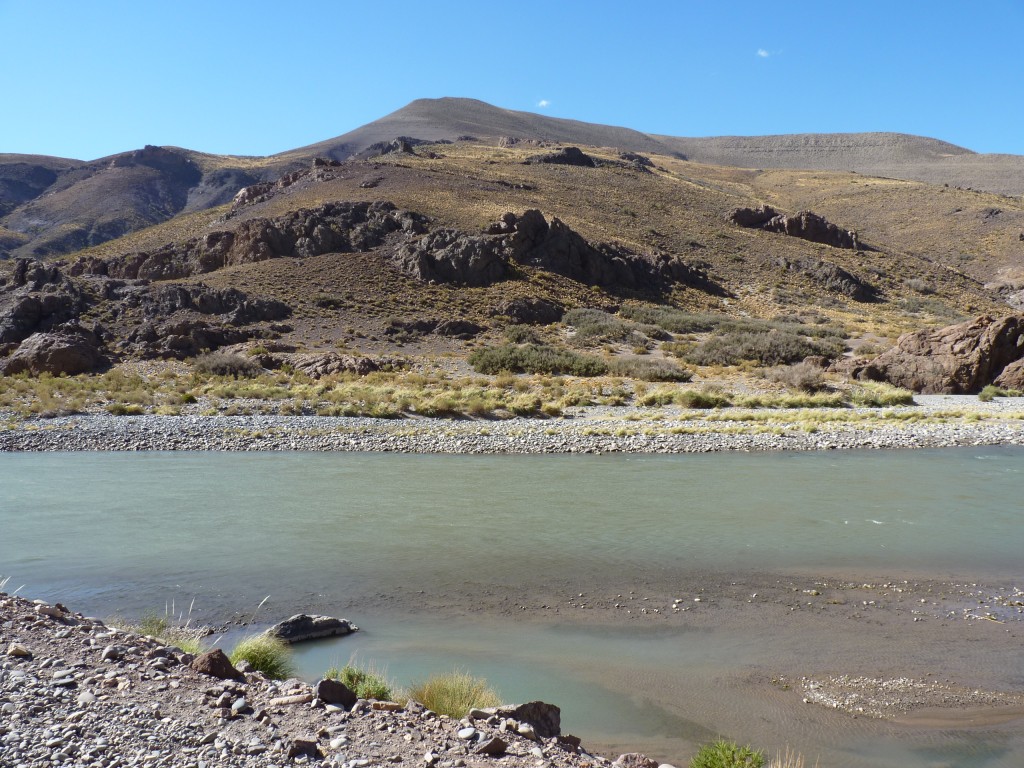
{"x": 363, "y": 534}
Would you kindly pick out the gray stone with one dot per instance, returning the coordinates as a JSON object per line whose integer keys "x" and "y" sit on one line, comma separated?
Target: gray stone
{"x": 336, "y": 693}
{"x": 493, "y": 746}
{"x": 304, "y": 626}
{"x": 467, "y": 733}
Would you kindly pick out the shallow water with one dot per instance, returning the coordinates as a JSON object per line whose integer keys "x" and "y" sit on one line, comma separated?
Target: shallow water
{"x": 129, "y": 533}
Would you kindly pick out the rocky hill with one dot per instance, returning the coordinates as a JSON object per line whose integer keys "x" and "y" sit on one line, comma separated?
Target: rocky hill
{"x": 52, "y": 206}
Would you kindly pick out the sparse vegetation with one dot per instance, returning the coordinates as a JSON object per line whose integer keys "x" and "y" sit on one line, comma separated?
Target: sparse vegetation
{"x": 773, "y": 347}
{"x": 871, "y": 394}
{"x": 454, "y": 693}
{"x": 535, "y": 358}
{"x": 991, "y": 392}
{"x": 726, "y": 754}
{"x": 267, "y": 654}
{"x": 366, "y": 683}
{"x": 803, "y": 376}
{"x": 226, "y": 364}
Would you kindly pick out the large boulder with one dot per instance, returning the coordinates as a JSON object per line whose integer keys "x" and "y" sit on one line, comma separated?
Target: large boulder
{"x": 957, "y": 359}
{"x": 451, "y": 256}
{"x": 530, "y": 311}
{"x": 69, "y": 351}
{"x": 303, "y": 626}
{"x": 216, "y": 663}
{"x": 546, "y": 719}
{"x": 831, "y": 277}
{"x": 37, "y": 297}
{"x": 567, "y": 156}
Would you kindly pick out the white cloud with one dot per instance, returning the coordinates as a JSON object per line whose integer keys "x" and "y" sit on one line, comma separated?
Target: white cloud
{"x": 543, "y": 103}
{"x": 763, "y": 53}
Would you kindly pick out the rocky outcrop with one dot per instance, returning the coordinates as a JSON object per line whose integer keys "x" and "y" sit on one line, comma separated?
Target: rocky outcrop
{"x": 451, "y": 256}
{"x": 546, "y": 719}
{"x": 957, "y": 359}
{"x": 335, "y": 692}
{"x": 530, "y": 311}
{"x": 831, "y": 277}
{"x": 234, "y": 306}
{"x": 318, "y": 365}
{"x": 69, "y": 350}
{"x": 567, "y": 156}
{"x": 330, "y": 228}
{"x": 1012, "y": 376}
{"x": 179, "y": 338}
{"x": 37, "y": 297}
{"x": 806, "y": 225}
{"x": 303, "y": 626}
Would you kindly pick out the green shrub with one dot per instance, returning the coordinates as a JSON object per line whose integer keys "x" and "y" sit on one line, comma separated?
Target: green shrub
{"x": 772, "y": 348}
{"x": 535, "y": 358}
{"x": 726, "y": 754}
{"x": 364, "y": 683}
{"x": 125, "y": 409}
{"x": 803, "y": 376}
{"x": 991, "y": 391}
{"x": 522, "y": 334}
{"x": 595, "y": 326}
{"x": 226, "y": 364}
{"x": 454, "y": 693}
{"x": 267, "y": 654}
{"x": 648, "y": 369}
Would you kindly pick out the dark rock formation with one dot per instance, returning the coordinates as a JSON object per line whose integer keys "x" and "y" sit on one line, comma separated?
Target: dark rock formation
{"x": 38, "y": 298}
{"x": 566, "y": 156}
{"x": 336, "y": 693}
{"x": 303, "y": 626}
{"x": 546, "y": 719}
{"x": 451, "y": 256}
{"x": 957, "y": 359}
{"x": 806, "y": 225}
{"x": 831, "y": 277}
{"x": 69, "y": 350}
{"x": 235, "y": 307}
{"x": 330, "y": 228}
{"x": 215, "y": 663}
{"x": 458, "y": 329}
{"x": 530, "y": 311}
{"x": 183, "y": 337}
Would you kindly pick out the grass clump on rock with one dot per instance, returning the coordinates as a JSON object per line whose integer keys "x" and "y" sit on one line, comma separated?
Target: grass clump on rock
{"x": 727, "y": 754}
{"x": 364, "y": 683}
{"x": 266, "y": 654}
{"x": 454, "y": 693}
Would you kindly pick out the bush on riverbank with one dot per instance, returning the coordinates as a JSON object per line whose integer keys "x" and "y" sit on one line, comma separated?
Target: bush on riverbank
{"x": 266, "y": 654}
{"x": 535, "y": 358}
{"x": 726, "y": 754}
{"x": 453, "y": 694}
{"x": 365, "y": 683}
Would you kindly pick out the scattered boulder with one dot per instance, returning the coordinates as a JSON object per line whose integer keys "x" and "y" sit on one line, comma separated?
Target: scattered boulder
{"x": 806, "y": 225}
{"x": 957, "y": 359}
{"x": 215, "y": 663}
{"x": 458, "y": 329}
{"x": 546, "y": 719}
{"x": 635, "y": 760}
{"x": 335, "y": 692}
{"x": 303, "y": 626}
{"x": 69, "y": 351}
{"x": 566, "y": 156}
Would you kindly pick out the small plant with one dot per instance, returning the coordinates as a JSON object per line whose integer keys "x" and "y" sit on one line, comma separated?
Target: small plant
{"x": 522, "y": 334}
{"x": 726, "y": 754}
{"x": 455, "y": 693}
{"x": 267, "y": 654}
{"x": 364, "y": 683}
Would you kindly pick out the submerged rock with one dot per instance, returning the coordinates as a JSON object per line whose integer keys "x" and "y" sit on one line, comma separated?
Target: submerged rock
{"x": 303, "y": 626}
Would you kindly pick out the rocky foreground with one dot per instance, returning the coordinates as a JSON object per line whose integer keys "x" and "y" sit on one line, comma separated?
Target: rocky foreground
{"x": 76, "y": 692}
{"x": 936, "y": 421}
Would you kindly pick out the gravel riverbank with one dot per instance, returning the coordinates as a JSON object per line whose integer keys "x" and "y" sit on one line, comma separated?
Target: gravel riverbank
{"x": 935, "y": 421}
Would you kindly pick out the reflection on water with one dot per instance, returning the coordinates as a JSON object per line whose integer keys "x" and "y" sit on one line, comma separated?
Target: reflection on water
{"x": 131, "y": 532}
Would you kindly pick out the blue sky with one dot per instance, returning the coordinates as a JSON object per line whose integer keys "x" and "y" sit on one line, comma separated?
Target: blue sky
{"x": 88, "y": 79}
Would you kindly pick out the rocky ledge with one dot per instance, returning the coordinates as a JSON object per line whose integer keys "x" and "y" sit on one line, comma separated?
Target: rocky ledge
{"x": 76, "y": 692}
